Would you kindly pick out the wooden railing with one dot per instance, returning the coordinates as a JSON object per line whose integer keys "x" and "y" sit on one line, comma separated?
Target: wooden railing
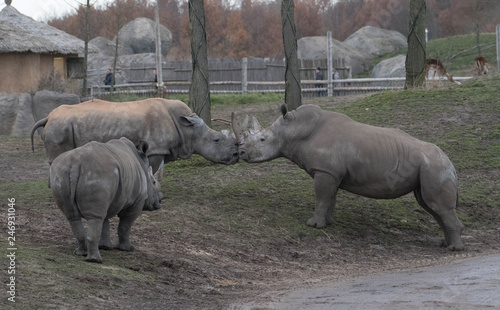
{"x": 310, "y": 88}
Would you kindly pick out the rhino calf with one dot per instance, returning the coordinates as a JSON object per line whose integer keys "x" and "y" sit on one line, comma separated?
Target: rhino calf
{"x": 98, "y": 181}
{"x": 374, "y": 162}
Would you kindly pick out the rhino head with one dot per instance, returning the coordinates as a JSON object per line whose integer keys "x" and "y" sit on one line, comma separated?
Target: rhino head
{"x": 259, "y": 144}
{"x": 153, "y": 187}
{"x": 213, "y": 145}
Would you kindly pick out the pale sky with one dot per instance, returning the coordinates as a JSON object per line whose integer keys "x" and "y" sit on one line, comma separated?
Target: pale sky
{"x": 42, "y": 10}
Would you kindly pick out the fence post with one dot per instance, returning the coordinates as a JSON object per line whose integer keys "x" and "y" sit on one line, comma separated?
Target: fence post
{"x": 244, "y": 76}
{"x": 498, "y": 48}
{"x": 329, "y": 49}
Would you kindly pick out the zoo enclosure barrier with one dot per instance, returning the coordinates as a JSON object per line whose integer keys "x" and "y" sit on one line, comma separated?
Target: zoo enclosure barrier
{"x": 242, "y": 76}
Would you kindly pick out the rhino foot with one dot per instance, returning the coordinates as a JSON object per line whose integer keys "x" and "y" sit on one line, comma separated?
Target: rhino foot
{"x": 125, "y": 247}
{"x": 452, "y": 247}
{"x": 80, "y": 252}
{"x": 106, "y": 247}
{"x": 314, "y": 222}
{"x": 94, "y": 260}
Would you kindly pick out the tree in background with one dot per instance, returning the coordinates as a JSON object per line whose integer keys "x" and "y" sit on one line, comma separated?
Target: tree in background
{"x": 415, "y": 57}
{"x": 86, "y": 49}
{"x": 248, "y": 27}
{"x": 199, "y": 93}
{"x": 293, "y": 97}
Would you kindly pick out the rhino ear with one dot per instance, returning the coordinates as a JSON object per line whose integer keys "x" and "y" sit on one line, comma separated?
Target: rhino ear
{"x": 193, "y": 120}
{"x": 143, "y": 146}
{"x": 284, "y": 109}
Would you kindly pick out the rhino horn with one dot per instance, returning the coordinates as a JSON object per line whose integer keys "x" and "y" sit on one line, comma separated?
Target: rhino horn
{"x": 256, "y": 127}
{"x": 238, "y": 130}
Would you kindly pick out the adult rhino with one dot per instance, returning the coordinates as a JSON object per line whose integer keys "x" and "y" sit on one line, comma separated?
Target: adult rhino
{"x": 169, "y": 126}
{"x": 374, "y": 162}
{"x": 98, "y": 181}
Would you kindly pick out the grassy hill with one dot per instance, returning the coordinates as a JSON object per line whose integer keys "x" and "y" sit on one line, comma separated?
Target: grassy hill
{"x": 458, "y": 52}
{"x": 229, "y": 232}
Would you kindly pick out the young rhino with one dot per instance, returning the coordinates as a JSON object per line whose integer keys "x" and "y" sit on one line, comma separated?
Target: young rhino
{"x": 98, "y": 181}
{"x": 371, "y": 161}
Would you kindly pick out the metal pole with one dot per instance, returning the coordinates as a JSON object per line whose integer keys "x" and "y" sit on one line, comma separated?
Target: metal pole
{"x": 329, "y": 49}
{"x": 244, "y": 76}
{"x": 498, "y": 48}
{"x": 159, "y": 67}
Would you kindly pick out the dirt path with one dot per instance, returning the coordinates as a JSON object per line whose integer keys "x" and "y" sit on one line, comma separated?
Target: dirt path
{"x": 466, "y": 284}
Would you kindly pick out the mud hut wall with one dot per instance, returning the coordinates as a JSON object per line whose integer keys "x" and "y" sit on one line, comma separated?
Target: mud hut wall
{"x": 21, "y": 72}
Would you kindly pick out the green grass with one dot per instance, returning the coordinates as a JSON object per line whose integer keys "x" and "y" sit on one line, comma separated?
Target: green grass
{"x": 248, "y": 206}
{"x": 215, "y": 99}
{"x": 457, "y": 53}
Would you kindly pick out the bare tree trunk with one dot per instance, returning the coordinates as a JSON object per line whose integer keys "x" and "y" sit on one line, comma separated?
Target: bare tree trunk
{"x": 199, "y": 92}
{"x": 416, "y": 56}
{"x": 159, "y": 56}
{"x": 115, "y": 60}
{"x": 293, "y": 94}
{"x": 478, "y": 28}
{"x": 86, "y": 52}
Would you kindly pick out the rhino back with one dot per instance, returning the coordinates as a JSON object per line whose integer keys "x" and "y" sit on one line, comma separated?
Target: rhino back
{"x": 152, "y": 120}
{"x": 108, "y": 179}
{"x": 361, "y": 154}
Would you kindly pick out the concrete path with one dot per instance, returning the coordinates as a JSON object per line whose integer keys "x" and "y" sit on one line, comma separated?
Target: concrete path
{"x": 466, "y": 284}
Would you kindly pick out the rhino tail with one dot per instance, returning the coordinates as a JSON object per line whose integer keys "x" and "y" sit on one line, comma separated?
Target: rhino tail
{"x": 74, "y": 175}
{"x": 40, "y": 123}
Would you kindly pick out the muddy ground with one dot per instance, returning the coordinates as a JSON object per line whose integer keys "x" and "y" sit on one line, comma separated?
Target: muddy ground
{"x": 184, "y": 268}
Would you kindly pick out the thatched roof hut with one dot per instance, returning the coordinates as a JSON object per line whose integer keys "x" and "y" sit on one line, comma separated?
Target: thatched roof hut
{"x": 31, "y": 50}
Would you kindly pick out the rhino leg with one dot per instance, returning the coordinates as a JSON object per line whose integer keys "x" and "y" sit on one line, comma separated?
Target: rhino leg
{"x": 79, "y": 233}
{"x": 126, "y": 221}
{"x": 105, "y": 241}
{"x": 442, "y": 207}
{"x": 93, "y": 236}
{"x": 325, "y": 189}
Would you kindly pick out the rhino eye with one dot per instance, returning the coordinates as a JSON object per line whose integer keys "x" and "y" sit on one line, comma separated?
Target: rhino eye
{"x": 262, "y": 139}
{"x": 216, "y": 140}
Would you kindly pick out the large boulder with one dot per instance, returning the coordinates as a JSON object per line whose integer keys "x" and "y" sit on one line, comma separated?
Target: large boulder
{"x": 16, "y": 117}
{"x": 98, "y": 66}
{"x": 107, "y": 47}
{"x": 45, "y": 101}
{"x": 139, "y": 36}
{"x": 315, "y": 48}
{"x": 392, "y": 67}
{"x": 375, "y": 41}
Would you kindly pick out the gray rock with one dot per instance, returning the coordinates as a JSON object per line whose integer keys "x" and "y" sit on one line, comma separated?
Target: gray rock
{"x": 392, "y": 67}
{"x": 315, "y": 48}
{"x": 24, "y": 119}
{"x": 16, "y": 117}
{"x": 375, "y": 41}
{"x": 139, "y": 36}
{"x": 45, "y": 101}
{"x": 98, "y": 65}
{"x": 107, "y": 47}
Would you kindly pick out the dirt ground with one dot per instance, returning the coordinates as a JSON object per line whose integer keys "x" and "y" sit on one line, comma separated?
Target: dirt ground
{"x": 174, "y": 271}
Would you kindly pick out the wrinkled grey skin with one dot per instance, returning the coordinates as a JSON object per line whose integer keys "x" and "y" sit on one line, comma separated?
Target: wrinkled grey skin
{"x": 169, "y": 126}
{"x": 98, "y": 181}
{"x": 374, "y": 162}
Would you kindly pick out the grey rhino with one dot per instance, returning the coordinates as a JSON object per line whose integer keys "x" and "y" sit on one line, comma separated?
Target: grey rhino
{"x": 338, "y": 152}
{"x": 98, "y": 181}
{"x": 169, "y": 126}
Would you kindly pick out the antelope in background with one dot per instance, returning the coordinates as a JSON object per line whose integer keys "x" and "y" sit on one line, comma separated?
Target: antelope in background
{"x": 438, "y": 68}
{"x": 481, "y": 65}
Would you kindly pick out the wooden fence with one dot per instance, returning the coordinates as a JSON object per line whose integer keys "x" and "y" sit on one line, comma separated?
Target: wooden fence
{"x": 246, "y": 76}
